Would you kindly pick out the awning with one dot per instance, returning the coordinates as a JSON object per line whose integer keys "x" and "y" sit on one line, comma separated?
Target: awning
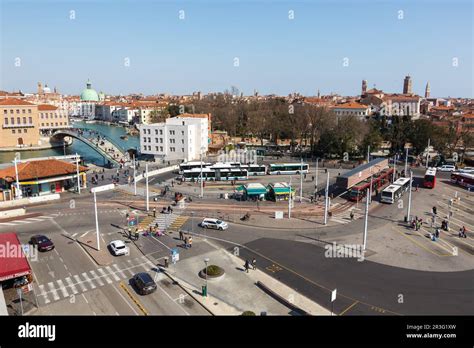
{"x": 58, "y": 178}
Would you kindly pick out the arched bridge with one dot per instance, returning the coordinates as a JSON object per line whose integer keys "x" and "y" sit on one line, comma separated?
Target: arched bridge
{"x": 100, "y": 143}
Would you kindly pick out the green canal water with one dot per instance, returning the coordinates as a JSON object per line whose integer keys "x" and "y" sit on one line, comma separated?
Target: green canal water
{"x": 89, "y": 155}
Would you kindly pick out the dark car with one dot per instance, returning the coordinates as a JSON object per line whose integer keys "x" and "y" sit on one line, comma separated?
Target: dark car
{"x": 43, "y": 243}
{"x": 144, "y": 283}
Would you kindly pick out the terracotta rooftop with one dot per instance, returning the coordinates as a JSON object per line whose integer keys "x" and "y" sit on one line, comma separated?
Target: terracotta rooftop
{"x": 47, "y": 107}
{"x": 39, "y": 169}
{"x": 350, "y": 105}
{"x": 14, "y": 101}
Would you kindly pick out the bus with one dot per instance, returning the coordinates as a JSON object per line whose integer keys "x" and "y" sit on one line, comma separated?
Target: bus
{"x": 429, "y": 181}
{"x": 391, "y": 193}
{"x": 463, "y": 179}
{"x": 255, "y": 169}
{"x": 288, "y": 168}
{"x": 404, "y": 183}
{"x": 191, "y": 165}
{"x": 395, "y": 191}
{"x": 359, "y": 191}
{"x": 209, "y": 174}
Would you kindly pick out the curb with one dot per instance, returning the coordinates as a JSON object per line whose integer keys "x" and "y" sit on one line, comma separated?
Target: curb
{"x": 280, "y": 299}
{"x": 186, "y": 291}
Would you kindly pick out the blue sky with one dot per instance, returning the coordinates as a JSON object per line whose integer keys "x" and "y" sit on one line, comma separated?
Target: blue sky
{"x": 276, "y": 54}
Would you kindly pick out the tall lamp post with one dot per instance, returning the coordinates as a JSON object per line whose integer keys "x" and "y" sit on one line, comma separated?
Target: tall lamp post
{"x": 78, "y": 175}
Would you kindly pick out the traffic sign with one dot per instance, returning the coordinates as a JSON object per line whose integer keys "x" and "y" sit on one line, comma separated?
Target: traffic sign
{"x": 333, "y": 295}
{"x": 103, "y": 188}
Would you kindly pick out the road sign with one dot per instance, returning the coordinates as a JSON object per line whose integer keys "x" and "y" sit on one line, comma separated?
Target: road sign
{"x": 333, "y": 295}
{"x": 103, "y": 188}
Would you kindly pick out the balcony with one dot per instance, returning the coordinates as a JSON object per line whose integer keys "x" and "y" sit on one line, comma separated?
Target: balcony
{"x": 19, "y": 125}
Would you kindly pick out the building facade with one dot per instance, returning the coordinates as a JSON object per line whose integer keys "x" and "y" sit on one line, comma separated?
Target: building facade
{"x": 20, "y": 124}
{"x": 179, "y": 138}
{"x": 52, "y": 118}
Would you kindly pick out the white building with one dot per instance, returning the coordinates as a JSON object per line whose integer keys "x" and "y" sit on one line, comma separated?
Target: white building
{"x": 124, "y": 115}
{"x": 179, "y": 138}
{"x": 352, "y": 109}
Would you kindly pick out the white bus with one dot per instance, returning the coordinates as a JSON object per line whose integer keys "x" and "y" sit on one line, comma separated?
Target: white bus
{"x": 288, "y": 168}
{"x": 391, "y": 193}
{"x": 404, "y": 183}
{"x": 255, "y": 169}
{"x": 191, "y": 165}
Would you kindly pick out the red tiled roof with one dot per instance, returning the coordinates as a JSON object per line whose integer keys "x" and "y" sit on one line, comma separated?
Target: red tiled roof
{"x": 39, "y": 169}
{"x": 351, "y": 105}
{"x": 14, "y": 101}
{"x": 47, "y": 107}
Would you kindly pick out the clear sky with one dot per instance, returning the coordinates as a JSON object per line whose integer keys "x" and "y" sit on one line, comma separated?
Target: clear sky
{"x": 275, "y": 54}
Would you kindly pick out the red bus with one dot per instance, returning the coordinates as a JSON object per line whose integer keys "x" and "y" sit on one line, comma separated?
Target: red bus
{"x": 429, "y": 180}
{"x": 379, "y": 180}
{"x": 463, "y": 179}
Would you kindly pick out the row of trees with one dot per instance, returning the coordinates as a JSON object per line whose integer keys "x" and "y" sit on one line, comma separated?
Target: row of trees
{"x": 318, "y": 129}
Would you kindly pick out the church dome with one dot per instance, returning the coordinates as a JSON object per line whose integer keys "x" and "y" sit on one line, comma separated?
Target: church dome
{"x": 89, "y": 94}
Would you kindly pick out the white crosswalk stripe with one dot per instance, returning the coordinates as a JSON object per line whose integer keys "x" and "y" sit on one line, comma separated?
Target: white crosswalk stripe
{"x": 62, "y": 288}
{"x": 119, "y": 271}
{"x": 97, "y": 278}
{"x": 88, "y": 280}
{"x": 116, "y": 277}
{"x": 43, "y": 294}
{"x": 53, "y": 291}
{"x": 71, "y": 285}
{"x": 79, "y": 282}
{"x": 104, "y": 275}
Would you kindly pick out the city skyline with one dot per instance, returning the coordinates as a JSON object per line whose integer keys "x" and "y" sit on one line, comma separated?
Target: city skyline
{"x": 277, "y": 51}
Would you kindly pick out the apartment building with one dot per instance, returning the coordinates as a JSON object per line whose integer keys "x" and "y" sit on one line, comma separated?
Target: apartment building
{"x": 179, "y": 138}
{"x": 51, "y": 118}
{"x": 20, "y": 124}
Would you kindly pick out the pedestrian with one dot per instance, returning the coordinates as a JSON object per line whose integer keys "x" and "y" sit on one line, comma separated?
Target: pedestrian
{"x": 186, "y": 240}
{"x": 254, "y": 264}
{"x": 190, "y": 241}
{"x": 312, "y": 178}
{"x": 434, "y": 210}
{"x": 312, "y": 199}
{"x": 154, "y": 212}
{"x": 352, "y": 215}
{"x": 247, "y": 266}
{"x": 181, "y": 235}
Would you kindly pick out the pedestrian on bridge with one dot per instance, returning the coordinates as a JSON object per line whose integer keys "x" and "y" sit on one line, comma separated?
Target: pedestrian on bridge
{"x": 247, "y": 266}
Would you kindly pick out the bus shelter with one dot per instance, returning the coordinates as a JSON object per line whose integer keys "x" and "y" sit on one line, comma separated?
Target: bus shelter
{"x": 279, "y": 191}
{"x": 254, "y": 191}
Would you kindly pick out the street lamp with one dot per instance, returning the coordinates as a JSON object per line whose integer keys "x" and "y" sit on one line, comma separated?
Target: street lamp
{"x": 206, "y": 261}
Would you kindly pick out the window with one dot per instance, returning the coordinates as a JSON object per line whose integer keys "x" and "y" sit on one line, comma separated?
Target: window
{"x": 182, "y": 141}
{"x": 156, "y": 131}
{"x": 172, "y": 141}
{"x": 149, "y": 140}
{"x": 19, "y": 131}
{"x": 171, "y": 132}
{"x": 156, "y": 148}
{"x": 5, "y": 111}
{"x": 13, "y": 131}
{"x": 29, "y": 111}
{"x": 172, "y": 149}
{"x": 161, "y": 148}
{"x": 30, "y": 120}
{"x": 23, "y": 111}
{"x": 161, "y": 140}
{"x": 6, "y": 121}
{"x": 182, "y": 149}
{"x": 25, "y": 130}
{"x": 13, "y": 120}
{"x": 11, "y": 111}
{"x": 24, "y": 120}
{"x": 18, "y": 120}
{"x": 161, "y": 131}
{"x": 17, "y": 111}
{"x": 182, "y": 132}
{"x": 144, "y": 139}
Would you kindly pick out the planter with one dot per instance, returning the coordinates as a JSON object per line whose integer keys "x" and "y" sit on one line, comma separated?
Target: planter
{"x": 213, "y": 272}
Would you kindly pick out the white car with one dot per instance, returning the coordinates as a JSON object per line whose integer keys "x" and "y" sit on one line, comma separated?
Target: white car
{"x": 215, "y": 224}
{"x": 447, "y": 168}
{"x": 118, "y": 248}
{"x": 467, "y": 170}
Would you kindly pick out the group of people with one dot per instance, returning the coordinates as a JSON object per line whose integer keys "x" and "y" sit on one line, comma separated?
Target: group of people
{"x": 248, "y": 264}
{"x": 417, "y": 223}
{"x": 188, "y": 240}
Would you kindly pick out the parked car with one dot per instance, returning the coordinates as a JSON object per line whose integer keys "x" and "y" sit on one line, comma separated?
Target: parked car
{"x": 447, "y": 168}
{"x": 214, "y": 223}
{"x": 144, "y": 283}
{"x": 43, "y": 243}
{"x": 118, "y": 247}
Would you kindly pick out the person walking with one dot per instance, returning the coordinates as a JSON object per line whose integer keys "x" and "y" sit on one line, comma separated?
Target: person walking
{"x": 247, "y": 266}
{"x": 186, "y": 240}
{"x": 254, "y": 264}
{"x": 154, "y": 212}
{"x": 352, "y": 215}
{"x": 190, "y": 242}
{"x": 434, "y": 210}
{"x": 181, "y": 235}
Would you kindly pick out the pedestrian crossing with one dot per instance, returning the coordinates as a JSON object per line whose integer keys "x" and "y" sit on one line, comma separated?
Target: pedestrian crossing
{"x": 22, "y": 221}
{"x": 345, "y": 217}
{"x": 164, "y": 221}
{"x": 61, "y": 289}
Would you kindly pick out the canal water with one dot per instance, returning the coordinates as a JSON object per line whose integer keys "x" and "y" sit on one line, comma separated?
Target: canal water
{"x": 89, "y": 155}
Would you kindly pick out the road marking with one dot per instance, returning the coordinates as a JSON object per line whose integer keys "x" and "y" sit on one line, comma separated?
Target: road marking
{"x": 119, "y": 271}
{"x": 8, "y": 223}
{"x": 97, "y": 278}
{"x": 80, "y": 282}
{"x": 43, "y": 294}
{"x": 112, "y": 273}
{"x": 82, "y": 235}
{"x": 85, "y": 299}
{"x": 89, "y": 280}
{"x": 53, "y": 291}
{"x": 159, "y": 287}
{"x": 104, "y": 275}
{"x": 34, "y": 219}
{"x": 74, "y": 235}
{"x": 62, "y": 288}
{"x": 71, "y": 285}
{"x": 128, "y": 303}
{"x": 134, "y": 299}
{"x": 419, "y": 244}
{"x": 348, "y": 308}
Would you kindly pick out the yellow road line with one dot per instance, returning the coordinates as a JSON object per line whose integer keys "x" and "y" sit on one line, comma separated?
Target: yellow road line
{"x": 133, "y": 298}
{"x": 421, "y": 245}
{"x": 348, "y": 308}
